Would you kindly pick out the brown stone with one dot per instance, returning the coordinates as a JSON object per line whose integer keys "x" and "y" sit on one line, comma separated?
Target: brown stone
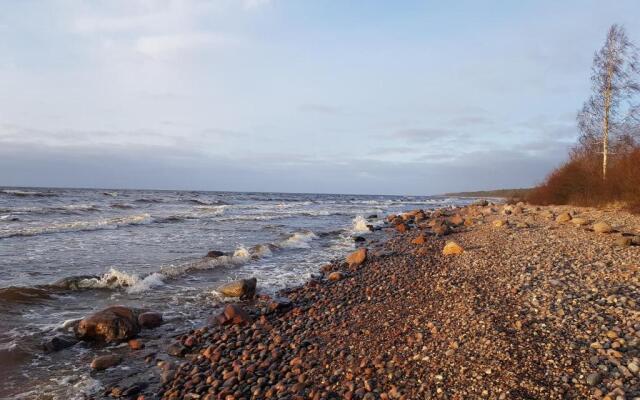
{"x": 150, "y": 320}
{"x": 420, "y": 239}
{"x": 602, "y": 227}
{"x": 456, "y": 220}
{"x": 136, "y": 344}
{"x": 243, "y": 288}
{"x": 564, "y": 217}
{"x": 402, "y": 228}
{"x": 236, "y": 315}
{"x": 335, "y": 276}
{"x": 452, "y": 248}
{"x": 499, "y": 223}
{"x": 112, "y": 324}
{"x": 103, "y": 362}
{"x": 357, "y": 257}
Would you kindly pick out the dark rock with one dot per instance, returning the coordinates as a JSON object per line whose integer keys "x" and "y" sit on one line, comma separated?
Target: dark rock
{"x": 372, "y": 216}
{"x": 176, "y": 350}
{"x": 358, "y": 239}
{"x": 215, "y": 254}
{"x": 58, "y": 343}
{"x": 150, "y": 320}
{"x": 233, "y": 314}
{"x": 112, "y": 324}
{"x": 103, "y": 362}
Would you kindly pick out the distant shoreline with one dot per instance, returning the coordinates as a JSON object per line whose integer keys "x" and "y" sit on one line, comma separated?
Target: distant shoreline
{"x": 502, "y": 193}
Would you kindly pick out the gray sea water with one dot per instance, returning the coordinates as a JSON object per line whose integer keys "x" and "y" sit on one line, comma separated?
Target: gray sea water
{"x": 147, "y": 248}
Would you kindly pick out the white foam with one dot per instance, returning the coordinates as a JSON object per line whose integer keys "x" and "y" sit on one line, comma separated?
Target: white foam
{"x": 360, "y": 224}
{"x": 148, "y": 282}
{"x": 299, "y": 240}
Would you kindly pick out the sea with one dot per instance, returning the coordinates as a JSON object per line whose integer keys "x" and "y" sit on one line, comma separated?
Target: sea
{"x": 65, "y": 253}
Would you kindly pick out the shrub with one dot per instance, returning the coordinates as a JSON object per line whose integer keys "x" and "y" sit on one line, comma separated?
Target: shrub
{"x": 579, "y": 182}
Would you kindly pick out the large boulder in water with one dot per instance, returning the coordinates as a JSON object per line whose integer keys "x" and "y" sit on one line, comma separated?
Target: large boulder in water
{"x": 244, "y": 288}
{"x": 113, "y": 324}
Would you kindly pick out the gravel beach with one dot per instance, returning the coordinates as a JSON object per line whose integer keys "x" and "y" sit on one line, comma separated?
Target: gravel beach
{"x": 537, "y": 306}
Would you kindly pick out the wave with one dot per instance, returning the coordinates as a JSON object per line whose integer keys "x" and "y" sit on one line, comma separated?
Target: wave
{"x": 134, "y": 283}
{"x": 79, "y": 226}
{"x": 207, "y": 203}
{"x": 61, "y": 209}
{"x": 299, "y": 240}
{"x": 26, "y": 193}
{"x": 122, "y": 206}
{"x": 149, "y": 200}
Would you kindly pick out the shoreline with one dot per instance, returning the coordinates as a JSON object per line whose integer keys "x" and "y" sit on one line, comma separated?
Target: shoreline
{"x": 535, "y": 308}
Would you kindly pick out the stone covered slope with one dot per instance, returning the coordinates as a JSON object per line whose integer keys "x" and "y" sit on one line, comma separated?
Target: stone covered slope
{"x": 531, "y": 309}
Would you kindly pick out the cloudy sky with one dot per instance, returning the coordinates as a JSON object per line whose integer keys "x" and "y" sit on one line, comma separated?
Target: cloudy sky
{"x": 291, "y": 95}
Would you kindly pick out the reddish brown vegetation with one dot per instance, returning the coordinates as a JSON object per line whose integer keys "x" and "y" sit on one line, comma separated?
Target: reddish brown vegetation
{"x": 579, "y": 182}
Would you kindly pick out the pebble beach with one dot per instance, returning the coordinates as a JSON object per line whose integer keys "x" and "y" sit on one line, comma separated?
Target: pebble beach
{"x": 484, "y": 301}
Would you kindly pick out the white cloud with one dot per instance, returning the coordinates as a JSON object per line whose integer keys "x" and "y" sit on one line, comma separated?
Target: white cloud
{"x": 161, "y": 46}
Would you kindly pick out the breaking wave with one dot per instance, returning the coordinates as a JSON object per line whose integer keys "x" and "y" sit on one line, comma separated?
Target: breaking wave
{"x": 360, "y": 224}
{"x": 299, "y": 240}
{"x": 26, "y": 193}
{"x": 79, "y": 226}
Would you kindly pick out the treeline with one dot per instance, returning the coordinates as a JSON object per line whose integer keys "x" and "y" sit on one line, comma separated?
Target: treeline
{"x": 604, "y": 167}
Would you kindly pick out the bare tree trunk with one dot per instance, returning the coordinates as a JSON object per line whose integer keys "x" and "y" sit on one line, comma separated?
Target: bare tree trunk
{"x": 605, "y": 122}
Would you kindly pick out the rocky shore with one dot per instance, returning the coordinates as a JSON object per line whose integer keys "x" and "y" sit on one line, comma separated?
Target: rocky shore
{"x": 486, "y": 301}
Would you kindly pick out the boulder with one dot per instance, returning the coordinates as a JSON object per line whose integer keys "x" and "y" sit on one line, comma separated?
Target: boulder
{"x": 359, "y": 239}
{"x": 517, "y": 210}
{"x": 468, "y": 222}
{"x": 176, "y": 349}
{"x": 481, "y": 203}
{"x": 233, "y": 314}
{"x": 279, "y": 304}
{"x": 456, "y": 220}
{"x": 372, "y": 216}
{"x": 357, "y": 257}
{"x": 522, "y": 224}
{"x": 452, "y": 248}
{"x": 150, "y": 320}
{"x": 547, "y": 214}
{"x": 58, "y": 343}
{"x": 421, "y": 239}
{"x": 602, "y": 227}
{"x": 419, "y": 216}
{"x": 112, "y": 324}
{"x": 624, "y": 241}
{"x": 335, "y": 276}
{"x": 103, "y": 362}
{"x": 402, "y": 228}
{"x": 563, "y": 217}
{"x": 579, "y": 221}
{"x": 440, "y": 229}
{"x": 215, "y": 254}
{"x": 499, "y": 223}
{"x": 244, "y": 288}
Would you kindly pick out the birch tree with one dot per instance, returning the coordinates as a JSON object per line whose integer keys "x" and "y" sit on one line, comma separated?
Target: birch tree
{"x": 610, "y": 113}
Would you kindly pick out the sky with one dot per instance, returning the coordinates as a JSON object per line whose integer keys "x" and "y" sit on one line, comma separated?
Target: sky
{"x": 376, "y": 97}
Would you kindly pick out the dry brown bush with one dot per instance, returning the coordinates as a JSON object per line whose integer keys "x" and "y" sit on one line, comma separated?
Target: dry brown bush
{"x": 579, "y": 182}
